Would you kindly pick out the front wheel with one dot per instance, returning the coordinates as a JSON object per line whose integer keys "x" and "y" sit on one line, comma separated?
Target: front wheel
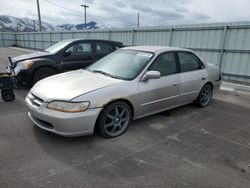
{"x": 42, "y": 73}
{"x": 205, "y": 95}
{"x": 8, "y": 95}
{"x": 114, "y": 119}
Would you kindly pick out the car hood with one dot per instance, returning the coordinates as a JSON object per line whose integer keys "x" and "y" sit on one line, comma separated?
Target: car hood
{"x": 67, "y": 86}
{"x": 29, "y": 56}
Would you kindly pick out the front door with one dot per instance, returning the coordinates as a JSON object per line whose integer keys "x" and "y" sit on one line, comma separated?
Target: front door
{"x": 78, "y": 55}
{"x": 159, "y": 94}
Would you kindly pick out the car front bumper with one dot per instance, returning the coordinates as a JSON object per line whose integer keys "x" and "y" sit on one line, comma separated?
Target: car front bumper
{"x": 61, "y": 123}
{"x": 24, "y": 76}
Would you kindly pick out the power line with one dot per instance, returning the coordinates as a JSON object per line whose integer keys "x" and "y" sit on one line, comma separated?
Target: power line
{"x": 93, "y": 17}
{"x": 78, "y": 13}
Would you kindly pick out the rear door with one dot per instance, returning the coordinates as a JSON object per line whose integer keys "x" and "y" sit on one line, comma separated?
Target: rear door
{"x": 192, "y": 77}
{"x": 159, "y": 94}
{"x": 77, "y": 56}
{"x": 102, "y": 49}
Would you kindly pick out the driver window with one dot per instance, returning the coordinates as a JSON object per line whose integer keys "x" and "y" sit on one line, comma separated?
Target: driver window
{"x": 165, "y": 64}
{"x": 80, "y": 49}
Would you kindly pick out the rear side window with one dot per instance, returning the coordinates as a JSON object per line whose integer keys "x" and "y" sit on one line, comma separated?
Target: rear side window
{"x": 165, "y": 64}
{"x": 103, "y": 48}
{"x": 189, "y": 62}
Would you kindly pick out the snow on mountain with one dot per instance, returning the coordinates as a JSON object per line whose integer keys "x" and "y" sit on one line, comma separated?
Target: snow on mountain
{"x": 13, "y": 24}
{"x": 10, "y": 23}
{"x": 89, "y": 25}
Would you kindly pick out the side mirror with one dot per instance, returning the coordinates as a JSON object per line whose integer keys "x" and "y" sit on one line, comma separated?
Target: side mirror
{"x": 67, "y": 53}
{"x": 151, "y": 75}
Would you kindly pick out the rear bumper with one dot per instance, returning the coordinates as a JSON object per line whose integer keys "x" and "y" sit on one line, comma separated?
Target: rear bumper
{"x": 217, "y": 84}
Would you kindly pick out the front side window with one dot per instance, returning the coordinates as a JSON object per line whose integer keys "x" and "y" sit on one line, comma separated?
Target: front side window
{"x": 165, "y": 64}
{"x": 79, "y": 49}
{"x": 188, "y": 62}
{"x": 123, "y": 64}
{"x": 103, "y": 48}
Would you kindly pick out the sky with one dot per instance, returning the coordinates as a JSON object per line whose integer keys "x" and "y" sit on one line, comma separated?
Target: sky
{"x": 123, "y": 13}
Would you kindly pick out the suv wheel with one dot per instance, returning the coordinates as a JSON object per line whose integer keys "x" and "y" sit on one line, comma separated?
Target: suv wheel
{"x": 42, "y": 73}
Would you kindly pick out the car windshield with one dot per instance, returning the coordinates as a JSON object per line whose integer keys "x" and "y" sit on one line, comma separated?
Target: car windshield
{"x": 122, "y": 64}
{"x": 56, "y": 47}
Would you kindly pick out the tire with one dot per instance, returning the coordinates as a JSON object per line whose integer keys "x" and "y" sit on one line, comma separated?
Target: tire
{"x": 8, "y": 95}
{"x": 114, "y": 119}
{"x": 42, "y": 73}
{"x": 205, "y": 95}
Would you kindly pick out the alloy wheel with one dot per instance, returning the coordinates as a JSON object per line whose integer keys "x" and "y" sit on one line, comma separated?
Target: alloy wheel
{"x": 117, "y": 120}
{"x": 205, "y": 95}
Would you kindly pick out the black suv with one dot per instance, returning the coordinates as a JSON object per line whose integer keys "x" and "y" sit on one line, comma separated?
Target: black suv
{"x": 63, "y": 56}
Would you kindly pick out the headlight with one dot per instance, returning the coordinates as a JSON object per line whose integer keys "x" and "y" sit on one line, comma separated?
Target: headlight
{"x": 71, "y": 107}
{"x": 25, "y": 64}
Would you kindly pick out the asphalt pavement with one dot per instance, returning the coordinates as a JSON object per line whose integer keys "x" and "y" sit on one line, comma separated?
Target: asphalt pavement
{"x": 185, "y": 147}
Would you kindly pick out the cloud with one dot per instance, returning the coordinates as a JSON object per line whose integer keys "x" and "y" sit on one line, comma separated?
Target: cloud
{"x": 201, "y": 16}
{"x": 164, "y": 14}
{"x": 142, "y": 8}
{"x": 122, "y": 13}
{"x": 120, "y": 4}
{"x": 181, "y": 9}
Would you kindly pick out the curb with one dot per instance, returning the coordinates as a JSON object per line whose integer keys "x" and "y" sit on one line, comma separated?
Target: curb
{"x": 232, "y": 87}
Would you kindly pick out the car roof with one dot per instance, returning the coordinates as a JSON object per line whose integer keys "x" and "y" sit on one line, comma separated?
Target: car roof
{"x": 156, "y": 49}
{"x": 97, "y": 40}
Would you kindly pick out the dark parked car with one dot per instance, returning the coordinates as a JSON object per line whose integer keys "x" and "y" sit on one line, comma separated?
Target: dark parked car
{"x": 63, "y": 56}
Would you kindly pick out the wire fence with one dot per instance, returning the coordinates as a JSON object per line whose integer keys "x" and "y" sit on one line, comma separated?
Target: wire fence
{"x": 224, "y": 44}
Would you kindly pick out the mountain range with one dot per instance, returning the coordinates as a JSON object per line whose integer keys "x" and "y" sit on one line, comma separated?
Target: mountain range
{"x": 14, "y": 24}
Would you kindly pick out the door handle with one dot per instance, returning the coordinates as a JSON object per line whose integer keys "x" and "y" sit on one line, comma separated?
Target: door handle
{"x": 204, "y": 78}
{"x": 175, "y": 84}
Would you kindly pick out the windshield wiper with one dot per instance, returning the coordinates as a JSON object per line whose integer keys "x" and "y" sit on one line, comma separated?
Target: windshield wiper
{"x": 105, "y": 73}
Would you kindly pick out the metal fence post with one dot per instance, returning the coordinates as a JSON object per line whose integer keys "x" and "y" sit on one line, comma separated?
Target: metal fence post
{"x": 109, "y": 37}
{"x": 34, "y": 38}
{"x": 50, "y": 39}
{"x": 87, "y": 34}
{"x": 42, "y": 41}
{"x": 223, "y": 43}
{"x": 170, "y": 36}
{"x": 15, "y": 39}
{"x": 3, "y": 39}
{"x": 133, "y": 37}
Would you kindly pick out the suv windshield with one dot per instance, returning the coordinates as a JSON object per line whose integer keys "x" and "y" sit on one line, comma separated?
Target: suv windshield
{"x": 123, "y": 64}
{"x": 56, "y": 47}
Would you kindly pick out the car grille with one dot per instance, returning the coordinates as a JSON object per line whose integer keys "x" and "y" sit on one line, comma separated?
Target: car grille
{"x": 35, "y": 101}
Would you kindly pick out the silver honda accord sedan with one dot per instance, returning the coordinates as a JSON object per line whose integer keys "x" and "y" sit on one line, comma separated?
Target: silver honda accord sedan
{"x": 128, "y": 84}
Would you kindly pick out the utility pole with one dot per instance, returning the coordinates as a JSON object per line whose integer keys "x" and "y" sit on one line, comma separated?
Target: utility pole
{"x": 138, "y": 19}
{"x": 34, "y": 25}
{"x": 39, "y": 15}
{"x": 85, "y": 13}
